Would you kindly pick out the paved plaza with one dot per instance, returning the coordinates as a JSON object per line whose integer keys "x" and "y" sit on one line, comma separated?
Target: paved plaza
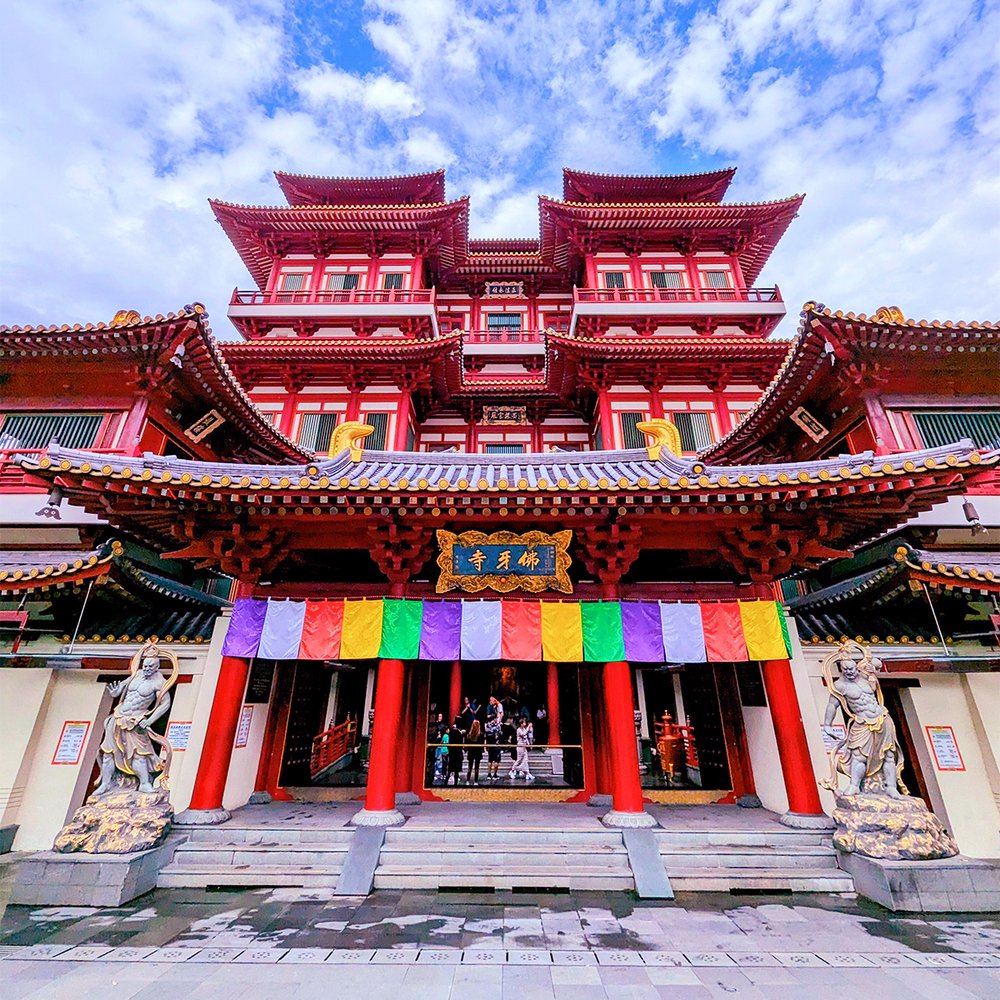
{"x": 297, "y": 944}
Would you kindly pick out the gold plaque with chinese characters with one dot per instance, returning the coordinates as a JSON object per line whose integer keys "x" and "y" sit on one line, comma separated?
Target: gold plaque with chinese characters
{"x": 504, "y": 561}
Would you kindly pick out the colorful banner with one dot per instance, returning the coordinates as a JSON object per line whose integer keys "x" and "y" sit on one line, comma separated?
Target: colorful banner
{"x": 556, "y": 631}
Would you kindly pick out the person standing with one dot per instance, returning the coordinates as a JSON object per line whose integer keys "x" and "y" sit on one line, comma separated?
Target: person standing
{"x": 494, "y": 731}
{"x": 525, "y": 737}
{"x": 474, "y": 751}
{"x": 455, "y": 755}
{"x": 542, "y": 726}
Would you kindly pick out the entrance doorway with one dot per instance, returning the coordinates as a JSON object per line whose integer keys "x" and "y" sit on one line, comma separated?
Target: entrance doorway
{"x": 546, "y": 695}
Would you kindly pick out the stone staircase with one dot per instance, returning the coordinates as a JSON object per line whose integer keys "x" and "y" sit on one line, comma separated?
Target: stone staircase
{"x": 776, "y": 859}
{"x": 503, "y": 859}
{"x": 231, "y": 855}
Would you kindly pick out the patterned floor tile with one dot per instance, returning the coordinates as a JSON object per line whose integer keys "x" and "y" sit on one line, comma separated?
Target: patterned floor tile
{"x": 754, "y": 959}
{"x": 844, "y": 960}
{"x": 935, "y": 960}
{"x": 219, "y": 956}
{"x": 43, "y": 951}
{"x": 346, "y": 957}
{"x": 128, "y": 954}
{"x": 84, "y": 953}
{"x": 171, "y": 954}
{"x": 528, "y": 956}
{"x": 483, "y": 956}
{"x": 664, "y": 959}
{"x": 260, "y": 956}
{"x": 573, "y": 958}
{"x": 395, "y": 956}
{"x": 442, "y": 956}
{"x": 305, "y": 956}
{"x": 708, "y": 958}
{"x": 618, "y": 958}
{"x": 892, "y": 959}
{"x": 800, "y": 960}
{"x": 979, "y": 959}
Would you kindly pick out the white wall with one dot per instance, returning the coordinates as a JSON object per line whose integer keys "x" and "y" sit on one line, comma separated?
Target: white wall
{"x": 24, "y": 695}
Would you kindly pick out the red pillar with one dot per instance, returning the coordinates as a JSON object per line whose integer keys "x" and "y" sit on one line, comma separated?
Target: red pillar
{"x": 272, "y": 746}
{"x": 793, "y": 751}
{"x": 286, "y": 419}
{"x": 403, "y": 421}
{"x": 135, "y": 420}
{"x": 454, "y": 693}
{"x": 217, "y": 750}
{"x": 722, "y": 412}
{"x": 552, "y": 702}
{"x": 607, "y": 419}
{"x": 353, "y": 411}
{"x": 380, "y": 795}
{"x": 878, "y": 421}
{"x": 655, "y": 403}
{"x": 404, "y": 746}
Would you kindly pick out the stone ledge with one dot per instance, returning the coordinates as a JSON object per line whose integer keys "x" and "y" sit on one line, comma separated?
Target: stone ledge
{"x": 946, "y": 885}
{"x": 52, "y": 879}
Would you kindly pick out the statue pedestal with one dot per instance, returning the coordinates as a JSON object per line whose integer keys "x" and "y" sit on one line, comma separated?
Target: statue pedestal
{"x": 120, "y": 822}
{"x": 948, "y": 885}
{"x": 891, "y": 829}
{"x": 52, "y": 879}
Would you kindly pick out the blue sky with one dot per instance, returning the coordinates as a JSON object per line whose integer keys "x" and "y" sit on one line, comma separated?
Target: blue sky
{"x": 120, "y": 120}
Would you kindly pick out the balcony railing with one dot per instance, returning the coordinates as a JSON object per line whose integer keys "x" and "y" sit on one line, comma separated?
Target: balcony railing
{"x": 336, "y": 297}
{"x": 504, "y": 337}
{"x": 646, "y": 295}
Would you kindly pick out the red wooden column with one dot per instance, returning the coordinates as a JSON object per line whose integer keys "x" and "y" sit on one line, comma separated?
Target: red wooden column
{"x": 135, "y": 420}
{"x": 552, "y": 702}
{"x": 878, "y": 421}
{"x": 607, "y": 419}
{"x": 380, "y": 795}
{"x": 217, "y": 750}
{"x": 404, "y": 746}
{"x": 804, "y": 809}
{"x": 403, "y": 420}
{"x": 626, "y": 790}
{"x": 273, "y": 745}
{"x": 454, "y": 693}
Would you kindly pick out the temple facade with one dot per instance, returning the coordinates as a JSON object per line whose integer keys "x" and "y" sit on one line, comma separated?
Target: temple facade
{"x": 575, "y": 479}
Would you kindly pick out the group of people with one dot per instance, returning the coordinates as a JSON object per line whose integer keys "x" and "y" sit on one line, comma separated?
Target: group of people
{"x": 473, "y": 733}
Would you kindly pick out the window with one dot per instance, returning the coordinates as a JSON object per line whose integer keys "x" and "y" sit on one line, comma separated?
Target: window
{"x": 341, "y": 282}
{"x": 377, "y": 439}
{"x": 504, "y": 449}
{"x": 716, "y": 279}
{"x": 292, "y": 281}
{"x": 631, "y": 436}
{"x": 941, "y": 427}
{"x": 666, "y": 279}
{"x": 614, "y": 279}
{"x": 695, "y": 430}
{"x": 503, "y": 321}
{"x": 39, "y": 430}
{"x": 315, "y": 430}
{"x": 392, "y": 280}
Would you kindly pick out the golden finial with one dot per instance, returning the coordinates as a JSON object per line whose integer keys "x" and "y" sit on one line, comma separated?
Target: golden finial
{"x": 662, "y": 434}
{"x": 350, "y": 435}
{"x": 125, "y": 317}
{"x": 889, "y": 314}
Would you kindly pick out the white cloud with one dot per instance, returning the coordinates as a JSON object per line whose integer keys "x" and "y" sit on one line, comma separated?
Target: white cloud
{"x": 120, "y": 120}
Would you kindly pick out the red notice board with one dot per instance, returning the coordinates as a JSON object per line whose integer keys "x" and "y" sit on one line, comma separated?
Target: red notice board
{"x": 944, "y": 746}
{"x": 69, "y": 749}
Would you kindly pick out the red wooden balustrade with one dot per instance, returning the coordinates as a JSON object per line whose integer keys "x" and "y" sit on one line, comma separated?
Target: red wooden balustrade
{"x": 677, "y": 294}
{"x": 336, "y": 297}
{"x": 330, "y": 746}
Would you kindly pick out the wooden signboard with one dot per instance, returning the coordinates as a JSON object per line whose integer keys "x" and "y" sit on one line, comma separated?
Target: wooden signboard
{"x": 504, "y": 561}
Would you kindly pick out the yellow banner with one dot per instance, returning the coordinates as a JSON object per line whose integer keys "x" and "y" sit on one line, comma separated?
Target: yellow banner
{"x": 362, "y": 634}
{"x": 762, "y": 630}
{"x": 562, "y": 632}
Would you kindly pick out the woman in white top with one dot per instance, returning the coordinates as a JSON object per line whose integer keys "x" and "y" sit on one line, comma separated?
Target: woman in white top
{"x": 525, "y": 737}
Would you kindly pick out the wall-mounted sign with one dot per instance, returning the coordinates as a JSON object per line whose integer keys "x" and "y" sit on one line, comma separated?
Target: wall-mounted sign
{"x": 504, "y": 561}
{"x": 494, "y": 416}
{"x": 203, "y": 427}
{"x": 179, "y": 735}
{"x": 69, "y": 749}
{"x": 243, "y": 728}
{"x": 259, "y": 684}
{"x": 504, "y": 290}
{"x": 837, "y": 733}
{"x": 804, "y": 419}
{"x": 947, "y": 756}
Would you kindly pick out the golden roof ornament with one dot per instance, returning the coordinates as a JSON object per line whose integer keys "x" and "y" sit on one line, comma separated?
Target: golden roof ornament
{"x": 350, "y": 434}
{"x": 125, "y": 317}
{"x": 888, "y": 314}
{"x": 662, "y": 434}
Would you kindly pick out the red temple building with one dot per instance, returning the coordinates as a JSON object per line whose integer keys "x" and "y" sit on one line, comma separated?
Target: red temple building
{"x": 577, "y": 473}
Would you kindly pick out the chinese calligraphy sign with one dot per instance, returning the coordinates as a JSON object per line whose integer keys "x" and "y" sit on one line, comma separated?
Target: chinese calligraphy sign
{"x": 504, "y": 561}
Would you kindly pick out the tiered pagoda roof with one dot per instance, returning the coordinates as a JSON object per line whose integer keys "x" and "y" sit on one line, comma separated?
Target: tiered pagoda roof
{"x": 173, "y": 355}
{"x": 412, "y": 189}
{"x": 835, "y": 356}
{"x": 581, "y": 186}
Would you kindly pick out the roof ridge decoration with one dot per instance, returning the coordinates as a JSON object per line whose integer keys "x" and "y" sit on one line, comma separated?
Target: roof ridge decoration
{"x": 350, "y": 436}
{"x": 42, "y": 574}
{"x": 970, "y": 575}
{"x": 719, "y": 205}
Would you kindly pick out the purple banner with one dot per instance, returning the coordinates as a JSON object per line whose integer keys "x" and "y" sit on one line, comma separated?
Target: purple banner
{"x": 441, "y": 631}
{"x": 245, "y": 626}
{"x": 642, "y": 632}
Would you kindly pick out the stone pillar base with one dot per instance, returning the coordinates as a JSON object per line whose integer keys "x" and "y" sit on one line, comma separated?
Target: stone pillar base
{"x": 806, "y": 821}
{"x": 407, "y": 799}
{"x": 378, "y": 817}
{"x": 600, "y": 801}
{"x": 627, "y": 820}
{"x": 202, "y": 817}
{"x": 260, "y": 799}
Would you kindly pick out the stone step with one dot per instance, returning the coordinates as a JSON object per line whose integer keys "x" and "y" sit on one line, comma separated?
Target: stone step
{"x": 292, "y": 855}
{"x": 493, "y": 838}
{"x": 595, "y": 877}
{"x": 682, "y": 858}
{"x": 712, "y": 839}
{"x": 447, "y": 861}
{"x": 804, "y": 879}
{"x": 227, "y": 834}
{"x": 193, "y": 877}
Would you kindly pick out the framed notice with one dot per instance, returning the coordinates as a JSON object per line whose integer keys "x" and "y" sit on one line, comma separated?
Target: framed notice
{"x": 831, "y": 739}
{"x": 179, "y": 733}
{"x": 944, "y": 746}
{"x": 69, "y": 749}
{"x": 259, "y": 683}
{"x": 243, "y": 729}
